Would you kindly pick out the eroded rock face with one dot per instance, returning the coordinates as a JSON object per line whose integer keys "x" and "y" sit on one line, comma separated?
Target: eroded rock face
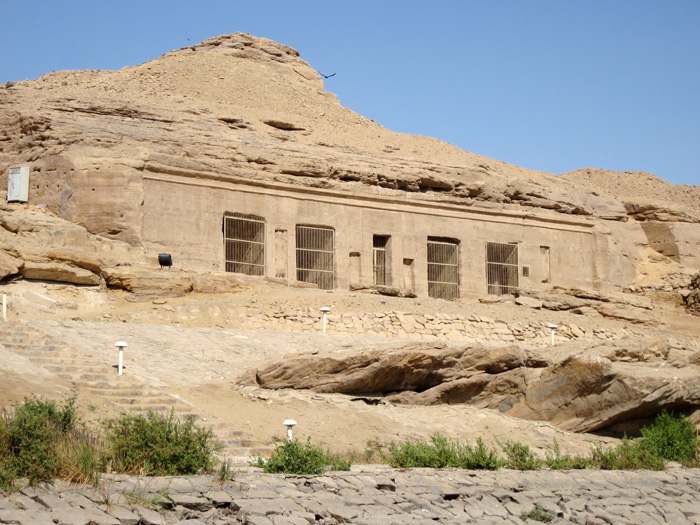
{"x": 154, "y": 282}
{"x": 579, "y": 387}
{"x": 692, "y": 297}
{"x": 37, "y": 245}
{"x": 238, "y": 107}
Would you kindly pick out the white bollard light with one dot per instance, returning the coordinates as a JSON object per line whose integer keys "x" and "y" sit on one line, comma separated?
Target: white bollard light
{"x": 325, "y": 310}
{"x": 553, "y": 328}
{"x": 289, "y": 423}
{"x": 121, "y": 345}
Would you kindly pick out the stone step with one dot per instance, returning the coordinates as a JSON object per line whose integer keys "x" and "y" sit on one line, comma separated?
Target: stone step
{"x": 181, "y": 411}
{"x": 127, "y": 391}
{"x": 247, "y": 452}
{"x": 68, "y": 361}
{"x": 79, "y": 378}
{"x": 138, "y": 401}
{"x": 31, "y": 349}
{"x": 66, "y": 369}
{"x": 98, "y": 376}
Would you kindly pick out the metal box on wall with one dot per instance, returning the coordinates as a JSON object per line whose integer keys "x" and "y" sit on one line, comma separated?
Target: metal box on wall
{"x": 18, "y": 184}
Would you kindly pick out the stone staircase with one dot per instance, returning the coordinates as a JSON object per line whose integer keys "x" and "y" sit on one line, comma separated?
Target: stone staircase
{"x": 97, "y": 375}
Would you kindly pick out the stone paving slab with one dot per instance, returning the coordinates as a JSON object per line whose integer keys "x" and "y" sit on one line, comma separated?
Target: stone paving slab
{"x": 367, "y": 495}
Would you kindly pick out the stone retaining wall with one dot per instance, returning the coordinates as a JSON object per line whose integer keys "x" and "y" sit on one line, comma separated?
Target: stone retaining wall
{"x": 692, "y": 299}
{"x": 438, "y": 326}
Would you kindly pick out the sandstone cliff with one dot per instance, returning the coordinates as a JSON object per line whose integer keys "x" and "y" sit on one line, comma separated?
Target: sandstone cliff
{"x": 241, "y": 107}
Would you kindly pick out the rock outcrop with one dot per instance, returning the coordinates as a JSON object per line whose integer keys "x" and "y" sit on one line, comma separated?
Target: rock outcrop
{"x": 238, "y": 107}
{"x": 578, "y": 387}
{"x": 37, "y": 245}
{"x": 692, "y": 296}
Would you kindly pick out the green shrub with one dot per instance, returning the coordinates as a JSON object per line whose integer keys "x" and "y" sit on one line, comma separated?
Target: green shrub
{"x": 538, "y": 514}
{"x": 602, "y": 458}
{"x": 41, "y": 440}
{"x": 672, "y": 438}
{"x": 159, "y": 445}
{"x": 557, "y": 461}
{"x": 519, "y": 456}
{"x": 439, "y": 452}
{"x": 8, "y": 472}
{"x": 480, "y": 457}
{"x": 630, "y": 454}
{"x": 293, "y": 457}
{"x": 81, "y": 457}
{"x": 35, "y": 432}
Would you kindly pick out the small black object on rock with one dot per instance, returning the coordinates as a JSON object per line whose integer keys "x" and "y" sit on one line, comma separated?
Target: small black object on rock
{"x": 165, "y": 260}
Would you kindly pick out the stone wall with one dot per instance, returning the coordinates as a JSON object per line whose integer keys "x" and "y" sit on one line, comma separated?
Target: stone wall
{"x": 428, "y": 327}
{"x": 552, "y": 250}
{"x": 692, "y": 299}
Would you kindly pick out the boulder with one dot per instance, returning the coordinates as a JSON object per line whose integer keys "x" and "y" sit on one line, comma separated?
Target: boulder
{"x": 530, "y": 302}
{"x": 578, "y": 386}
{"x": 9, "y": 265}
{"x": 56, "y": 271}
{"x": 149, "y": 281}
{"x": 416, "y": 366}
{"x": 632, "y": 315}
{"x": 169, "y": 283}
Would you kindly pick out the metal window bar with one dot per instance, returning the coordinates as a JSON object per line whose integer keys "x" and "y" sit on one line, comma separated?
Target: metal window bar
{"x": 244, "y": 244}
{"x": 501, "y": 268}
{"x": 443, "y": 269}
{"x": 379, "y": 258}
{"x": 315, "y": 256}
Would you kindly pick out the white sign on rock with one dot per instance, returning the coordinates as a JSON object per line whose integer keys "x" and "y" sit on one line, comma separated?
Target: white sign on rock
{"x": 18, "y": 184}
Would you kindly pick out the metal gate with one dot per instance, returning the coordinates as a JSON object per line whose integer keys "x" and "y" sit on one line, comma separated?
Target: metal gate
{"x": 379, "y": 258}
{"x": 501, "y": 268}
{"x": 443, "y": 268}
{"x": 244, "y": 244}
{"x": 315, "y": 256}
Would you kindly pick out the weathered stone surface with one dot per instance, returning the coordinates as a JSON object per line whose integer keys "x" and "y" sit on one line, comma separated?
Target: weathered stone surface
{"x": 9, "y": 265}
{"x": 149, "y": 281}
{"x": 692, "y": 298}
{"x": 418, "y": 496}
{"x": 626, "y": 314}
{"x": 577, "y": 387}
{"x": 413, "y": 367}
{"x": 38, "y": 245}
{"x": 149, "y": 516}
{"x": 202, "y": 130}
{"x": 55, "y": 271}
{"x": 191, "y": 502}
{"x": 168, "y": 282}
{"x": 123, "y": 515}
{"x": 530, "y": 302}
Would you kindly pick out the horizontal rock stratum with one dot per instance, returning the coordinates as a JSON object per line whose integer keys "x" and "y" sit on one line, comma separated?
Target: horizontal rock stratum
{"x": 107, "y": 149}
{"x": 581, "y": 387}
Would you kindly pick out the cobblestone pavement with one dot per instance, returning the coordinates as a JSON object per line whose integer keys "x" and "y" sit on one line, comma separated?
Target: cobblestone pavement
{"x": 365, "y": 496}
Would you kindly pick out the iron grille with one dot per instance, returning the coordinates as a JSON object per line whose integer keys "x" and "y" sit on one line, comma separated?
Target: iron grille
{"x": 244, "y": 244}
{"x": 379, "y": 257}
{"x": 443, "y": 269}
{"x": 501, "y": 268}
{"x": 315, "y": 259}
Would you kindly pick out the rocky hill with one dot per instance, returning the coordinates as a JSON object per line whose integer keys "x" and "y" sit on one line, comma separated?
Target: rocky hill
{"x": 242, "y": 106}
{"x": 238, "y": 107}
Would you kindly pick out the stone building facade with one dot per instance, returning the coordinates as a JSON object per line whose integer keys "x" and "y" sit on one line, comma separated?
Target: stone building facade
{"x": 337, "y": 239}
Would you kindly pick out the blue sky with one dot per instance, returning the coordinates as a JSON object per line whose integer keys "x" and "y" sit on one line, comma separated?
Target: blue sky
{"x": 549, "y": 85}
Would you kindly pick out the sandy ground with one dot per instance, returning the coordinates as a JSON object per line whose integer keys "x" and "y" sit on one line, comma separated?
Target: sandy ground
{"x": 210, "y": 364}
